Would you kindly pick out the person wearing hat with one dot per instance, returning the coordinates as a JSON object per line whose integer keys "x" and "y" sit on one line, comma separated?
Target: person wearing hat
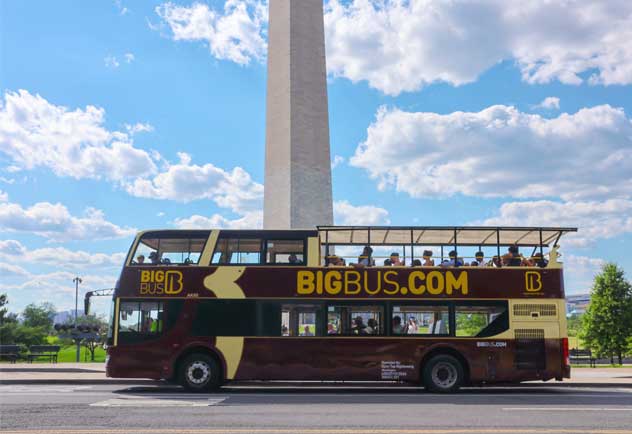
{"x": 153, "y": 257}
{"x": 479, "y": 262}
{"x": 140, "y": 259}
{"x": 428, "y": 261}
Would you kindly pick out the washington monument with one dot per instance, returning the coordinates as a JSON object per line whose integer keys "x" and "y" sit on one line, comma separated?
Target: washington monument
{"x": 298, "y": 168}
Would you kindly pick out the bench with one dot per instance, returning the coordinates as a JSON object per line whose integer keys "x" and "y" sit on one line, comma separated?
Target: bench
{"x": 45, "y": 351}
{"x": 11, "y": 352}
{"x": 585, "y": 355}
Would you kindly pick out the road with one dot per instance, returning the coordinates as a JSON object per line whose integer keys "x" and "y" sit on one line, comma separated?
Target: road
{"x": 101, "y": 409}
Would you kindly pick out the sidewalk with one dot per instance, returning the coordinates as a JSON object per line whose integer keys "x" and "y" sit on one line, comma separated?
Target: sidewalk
{"x": 60, "y": 373}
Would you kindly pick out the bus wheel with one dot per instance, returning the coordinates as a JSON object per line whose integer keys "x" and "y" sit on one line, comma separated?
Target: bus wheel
{"x": 443, "y": 374}
{"x": 199, "y": 373}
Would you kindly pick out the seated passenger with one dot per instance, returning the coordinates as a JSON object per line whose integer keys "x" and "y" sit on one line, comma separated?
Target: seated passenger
{"x": 387, "y": 262}
{"x": 480, "y": 259}
{"x": 512, "y": 258}
{"x": 292, "y": 259}
{"x": 365, "y": 258}
{"x": 412, "y": 328}
{"x": 154, "y": 258}
{"x": 331, "y": 329}
{"x": 334, "y": 261}
{"x": 428, "y": 261}
{"x": 453, "y": 261}
{"x": 371, "y": 327}
{"x": 395, "y": 261}
{"x": 307, "y": 331}
{"x": 140, "y": 259}
{"x": 496, "y": 262}
{"x": 537, "y": 260}
{"x": 416, "y": 263}
{"x": 284, "y": 331}
{"x": 398, "y": 329}
{"x": 358, "y": 327}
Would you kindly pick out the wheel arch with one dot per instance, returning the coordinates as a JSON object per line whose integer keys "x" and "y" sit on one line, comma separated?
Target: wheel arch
{"x": 199, "y": 349}
{"x": 445, "y": 350}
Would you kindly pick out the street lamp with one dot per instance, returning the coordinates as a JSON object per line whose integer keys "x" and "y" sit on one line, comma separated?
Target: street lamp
{"x": 77, "y": 280}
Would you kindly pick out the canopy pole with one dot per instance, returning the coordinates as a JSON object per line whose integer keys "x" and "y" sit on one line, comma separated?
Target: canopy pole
{"x": 412, "y": 247}
{"x": 456, "y": 250}
{"x": 368, "y": 239}
{"x": 541, "y": 248}
{"x": 326, "y": 248}
{"x": 498, "y": 244}
{"x": 441, "y": 253}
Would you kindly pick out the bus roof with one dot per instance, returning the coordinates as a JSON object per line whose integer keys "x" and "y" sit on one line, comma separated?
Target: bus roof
{"x": 442, "y": 235}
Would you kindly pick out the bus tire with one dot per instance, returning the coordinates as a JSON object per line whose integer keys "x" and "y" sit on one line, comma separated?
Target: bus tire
{"x": 443, "y": 374}
{"x": 199, "y": 373}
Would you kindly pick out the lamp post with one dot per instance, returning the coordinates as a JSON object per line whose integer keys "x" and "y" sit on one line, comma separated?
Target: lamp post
{"x": 77, "y": 280}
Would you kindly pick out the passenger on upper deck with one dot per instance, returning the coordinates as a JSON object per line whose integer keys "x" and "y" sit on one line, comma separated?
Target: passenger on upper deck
{"x": 154, "y": 258}
{"x": 365, "y": 258}
{"x": 416, "y": 263}
{"x": 395, "y": 261}
{"x": 480, "y": 260}
{"x": 454, "y": 261}
{"x": 293, "y": 259}
{"x": 512, "y": 258}
{"x": 537, "y": 260}
{"x": 335, "y": 261}
{"x": 495, "y": 262}
{"x": 428, "y": 261}
{"x": 140, "y": 259}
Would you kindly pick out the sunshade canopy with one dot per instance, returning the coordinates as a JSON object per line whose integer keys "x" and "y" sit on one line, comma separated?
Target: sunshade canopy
{"x": 441, "y": 235}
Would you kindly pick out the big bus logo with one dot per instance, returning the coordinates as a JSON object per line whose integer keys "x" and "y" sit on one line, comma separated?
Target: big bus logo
{"x": 533, "y": 281}
{"x": 157, "y": 282}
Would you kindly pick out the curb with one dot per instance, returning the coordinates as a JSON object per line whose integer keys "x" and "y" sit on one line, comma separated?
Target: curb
{"x": 83, "y": 381}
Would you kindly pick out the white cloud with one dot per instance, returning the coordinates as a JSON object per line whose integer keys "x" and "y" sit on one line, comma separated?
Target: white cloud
{"x": 122, "y": 9}
{"x": 337, "y": 161}
{"x": 549, "y": 103}
{"x": 11, "y": 270}
{"x": 250, "y": 220}
{"x": 129, "y": 57}
{"x": 4, "y": 196}
{"x": 580, "y": 272}
{"x": 399, "y": 46}
{"x": 55, "y": 222}
{"x": 348, "y": 215}
{"x": 111, "y": 62}
{"x": 139, "y": 128}
{"x": 35, "y": 133}
{"x": 500, "y": 151}
{"x": 185, "y": 182}
{"x": 15, "y": 252}
{"x": 595, "y": 219}
{"x": 237, "y": 33}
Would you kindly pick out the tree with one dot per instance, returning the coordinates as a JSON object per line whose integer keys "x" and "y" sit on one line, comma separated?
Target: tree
{"x": 12, "y": 332}
{"x": 608, "y": 319}
{"x": 3, "y": 310}
{"x": 41, "y": 315}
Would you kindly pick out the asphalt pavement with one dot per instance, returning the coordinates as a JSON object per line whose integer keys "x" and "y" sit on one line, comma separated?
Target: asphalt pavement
{"x": 161, "y": 409}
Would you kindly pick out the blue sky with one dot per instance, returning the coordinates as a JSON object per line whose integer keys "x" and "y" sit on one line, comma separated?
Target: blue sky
{"x": 117, "y": 116}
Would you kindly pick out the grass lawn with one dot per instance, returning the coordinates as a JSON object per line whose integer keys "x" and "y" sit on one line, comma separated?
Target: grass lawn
{"x": 68, "y": 353}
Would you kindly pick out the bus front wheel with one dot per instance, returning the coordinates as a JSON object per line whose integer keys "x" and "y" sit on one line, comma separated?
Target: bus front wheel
{"x": 199, "y": 373}
{"x": 443, "y": 373}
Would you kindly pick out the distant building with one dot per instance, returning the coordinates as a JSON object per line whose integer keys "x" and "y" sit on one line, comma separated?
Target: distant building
{"x": 577, "y": 304}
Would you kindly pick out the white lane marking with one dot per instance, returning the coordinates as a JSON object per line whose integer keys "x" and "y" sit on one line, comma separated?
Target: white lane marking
{"x": 566, "y": 409}
{"x": 145, "y": 402}
{"x": 24, "y": 389}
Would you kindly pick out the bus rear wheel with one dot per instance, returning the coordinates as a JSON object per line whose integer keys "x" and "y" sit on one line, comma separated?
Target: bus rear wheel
{"x": 199, "y": 373}
{"x": 443, "y": 374}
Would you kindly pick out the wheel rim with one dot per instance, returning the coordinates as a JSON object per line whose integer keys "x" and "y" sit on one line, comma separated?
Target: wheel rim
{"x": 198, "y": 373}
{"x": 444, "y": 375}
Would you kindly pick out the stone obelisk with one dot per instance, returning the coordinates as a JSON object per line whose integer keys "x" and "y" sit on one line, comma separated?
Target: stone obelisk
{"x": 298, "y": 165}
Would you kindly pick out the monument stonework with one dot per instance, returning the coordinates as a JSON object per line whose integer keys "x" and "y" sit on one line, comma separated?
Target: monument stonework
{"x": 298, "y": 192}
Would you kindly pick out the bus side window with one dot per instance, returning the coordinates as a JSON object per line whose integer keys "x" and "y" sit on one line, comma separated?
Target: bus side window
{"x": 236, "y": 251}
{"x": 299, "y": 320}
{"x": 355, "y": 320}
{"x": 481, "y": 321}
{"x": 420, "y": 320}
{"x": 288, "y": 252}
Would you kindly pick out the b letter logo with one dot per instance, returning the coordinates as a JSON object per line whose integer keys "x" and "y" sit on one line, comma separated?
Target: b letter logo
{"x": 533, "y": 281}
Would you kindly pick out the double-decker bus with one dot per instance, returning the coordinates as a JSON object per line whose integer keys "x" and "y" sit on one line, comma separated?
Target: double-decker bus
{"x": 205, "y": 307}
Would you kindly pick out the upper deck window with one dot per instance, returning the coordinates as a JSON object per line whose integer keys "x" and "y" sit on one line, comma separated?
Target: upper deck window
{"x": 237, "y": 251}
{"x": 155, "y": 248}
{"x": 289, "y": 252}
